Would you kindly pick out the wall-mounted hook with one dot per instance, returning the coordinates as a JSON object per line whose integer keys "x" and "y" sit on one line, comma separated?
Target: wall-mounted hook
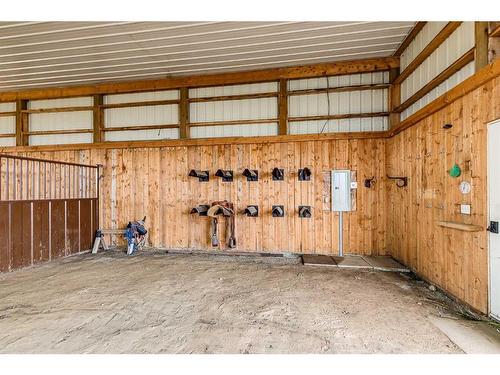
{"x": 251, "y": 174}
{"x": 225, "y": 174}
{"x": 201, "y": 210}
{"x": 278, "y": 211}
{"x": 305, "y": 211}
{"x": 252, "y": 211}
{"x": 304, "y": 174}
{"x": 278, "y": 174}
{"x": 203, "y": 176}
{"x": 369, "y": 182}
{"x": 400, "y": 181}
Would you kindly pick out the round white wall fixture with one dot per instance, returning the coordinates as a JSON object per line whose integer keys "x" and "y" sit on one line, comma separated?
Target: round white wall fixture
{"x": 465, "y": 187}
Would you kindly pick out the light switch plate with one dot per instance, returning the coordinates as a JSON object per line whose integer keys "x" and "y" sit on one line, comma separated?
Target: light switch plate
{"x": 354, "y": 184}
{"x": 465, "y": 209}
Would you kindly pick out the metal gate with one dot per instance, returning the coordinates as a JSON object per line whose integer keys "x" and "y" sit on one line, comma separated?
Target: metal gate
{"x": 48, "y": 209}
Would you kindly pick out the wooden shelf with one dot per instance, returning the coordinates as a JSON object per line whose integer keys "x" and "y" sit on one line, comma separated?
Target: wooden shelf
{"x": 460, "y": 226}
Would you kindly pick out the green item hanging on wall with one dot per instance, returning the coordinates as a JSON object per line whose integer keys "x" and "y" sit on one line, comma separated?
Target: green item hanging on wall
{"x": 455, "y": 171}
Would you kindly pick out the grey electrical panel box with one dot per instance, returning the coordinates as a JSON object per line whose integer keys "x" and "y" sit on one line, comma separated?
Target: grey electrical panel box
{"x": 341, "y": 190}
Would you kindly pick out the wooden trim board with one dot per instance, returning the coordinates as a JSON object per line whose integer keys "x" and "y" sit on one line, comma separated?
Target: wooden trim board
{"x": 265, "y": 75}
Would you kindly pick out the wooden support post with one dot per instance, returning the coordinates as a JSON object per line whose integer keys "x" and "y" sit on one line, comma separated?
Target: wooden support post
{"x": 283, "y": 107}
{"x": 394, "y": 99}
{"x": 184, "y": 114}
{"x": 22, "y": 125}
{"x": 98, "y": 118}
{"x": 481, "y": 37}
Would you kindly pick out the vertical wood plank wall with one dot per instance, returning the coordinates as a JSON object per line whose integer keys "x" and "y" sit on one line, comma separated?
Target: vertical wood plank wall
{"x": 154, "y": 182}
{"x": 456, "y": 261}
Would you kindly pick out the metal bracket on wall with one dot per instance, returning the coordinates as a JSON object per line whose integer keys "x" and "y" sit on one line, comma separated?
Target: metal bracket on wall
{"x": 202, "y": 176}
{"x": 251, "y": 174}
{"x": 252, "y": 211}
{"x": 304, "y": 174}
{"x": 200, "y": 210}
{"x": 369, "y": 182}
{"x": 305, "y": 211}
{"x": 278, "y": 211}
{"x": 278, "y": 174}
{"x": 400, "y": 181}
{"x": 226, "y": 175}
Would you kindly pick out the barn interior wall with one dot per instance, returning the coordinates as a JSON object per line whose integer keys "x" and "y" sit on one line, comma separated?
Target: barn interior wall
{"x": 154, "y": 182}
{"x": 455, "y": 260}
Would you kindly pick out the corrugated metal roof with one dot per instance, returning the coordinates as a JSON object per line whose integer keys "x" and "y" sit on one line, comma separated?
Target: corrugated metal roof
{"x": 40, "y": 54}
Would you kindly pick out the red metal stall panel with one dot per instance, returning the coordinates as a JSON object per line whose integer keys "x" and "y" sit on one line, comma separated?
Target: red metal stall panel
{"x": 21, "y": 234}
{"x": 57, "y": 228}
{"x": 72, "y": 226}
{"x": 4, "y": 237}
{"x": 86, "y": 232}
{"x": 40, "y": 231}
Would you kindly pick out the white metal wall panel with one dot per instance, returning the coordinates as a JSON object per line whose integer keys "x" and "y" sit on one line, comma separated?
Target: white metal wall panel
{"x": 341, "y": 103}
{"x": 7, "y": 125}
{"x": 338, "y": 81}
{"x": 251, "y": 130}
{"x": 82, "y": 101}
{"x": 10, "y": 141}
{"x": 246, "y": 109}
{"x": 339, "y": 126}
{"x": 459, "y": 42}
{"x": 423, "y": 38}
{"x": 142, "y": 135}
{"x": 141, "y": 97}
{"x": 7, "y": 107}
{"x": 60, "y": 120}
{"x": 252, "y": 88}
{"x": 57, "y": 139}
{"x": 142, "y": 116}
{"x": 451, "y": 82}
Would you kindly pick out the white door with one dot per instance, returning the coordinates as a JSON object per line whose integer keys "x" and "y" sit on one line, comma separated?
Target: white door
{"x": 494, "y": 213}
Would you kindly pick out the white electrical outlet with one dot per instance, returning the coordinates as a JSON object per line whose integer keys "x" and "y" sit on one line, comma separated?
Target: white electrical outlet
{"x": 465, "y": 209}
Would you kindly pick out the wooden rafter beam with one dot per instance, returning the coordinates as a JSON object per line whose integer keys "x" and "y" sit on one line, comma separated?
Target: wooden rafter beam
{"x": 266, "y": 75}
{"x": 197, "y": 142}
{"x": 428, "y": 50}
{"x": 394, "y": 98}
{"x": 338, "y": 117}
{"x": 481, "y": 45}
{"x": 234, "y": 97}
{"x": 140, "y": 127}
{"x": 97, "y": 118}
{"x": 139, "y": 104}
{"x": 184, "y": 113}
{"x": 235, "y": 122}
{"x": 22, "y": 126}
{"x": 376, "y": 86}
{"x": 62, "y": 109}
{"x": 495, "y": 33}
{"x": 436, "y": 81}
{"x": 409, "y": 38}
{"x": 283, "y": 107}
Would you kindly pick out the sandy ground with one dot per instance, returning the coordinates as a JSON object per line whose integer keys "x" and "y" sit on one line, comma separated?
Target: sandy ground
{"x": 160, "y": 303}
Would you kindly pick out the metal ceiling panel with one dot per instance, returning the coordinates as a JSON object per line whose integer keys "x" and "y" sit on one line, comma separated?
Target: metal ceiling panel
{"x": 39, "y": 54}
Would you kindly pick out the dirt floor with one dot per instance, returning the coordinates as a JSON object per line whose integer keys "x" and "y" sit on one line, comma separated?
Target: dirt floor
{"x": 164, "y": 303}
